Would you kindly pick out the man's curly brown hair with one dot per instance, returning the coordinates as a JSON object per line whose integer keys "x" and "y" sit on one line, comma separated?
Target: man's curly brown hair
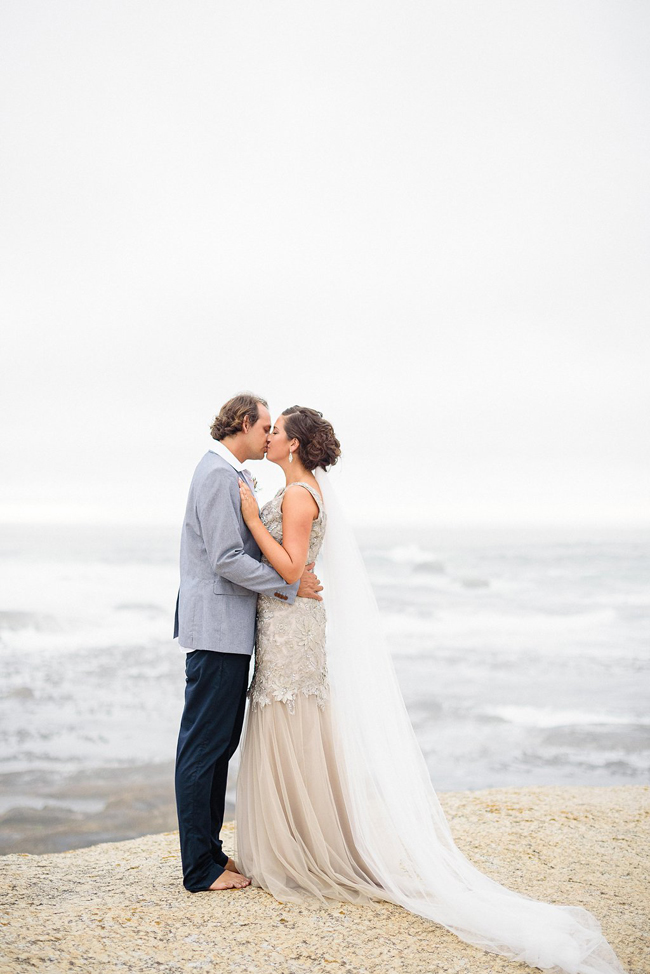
{"x": 233, "y": 413}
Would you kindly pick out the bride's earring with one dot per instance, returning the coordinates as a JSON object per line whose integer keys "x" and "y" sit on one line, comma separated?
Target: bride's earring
{"x": 290, "y": 457}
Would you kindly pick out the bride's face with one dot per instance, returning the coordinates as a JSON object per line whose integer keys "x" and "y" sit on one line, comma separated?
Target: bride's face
{"x": 278, "y": 444}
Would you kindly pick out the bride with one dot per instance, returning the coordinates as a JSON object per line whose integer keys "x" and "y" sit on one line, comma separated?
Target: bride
{"x": 334, "y": 800}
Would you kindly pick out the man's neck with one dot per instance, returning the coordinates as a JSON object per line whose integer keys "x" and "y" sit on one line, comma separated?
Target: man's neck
{"x": 237, "y": 447}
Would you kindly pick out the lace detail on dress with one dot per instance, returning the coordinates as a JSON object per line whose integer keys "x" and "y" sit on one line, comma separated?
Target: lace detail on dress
{"x": 290, "y": 639}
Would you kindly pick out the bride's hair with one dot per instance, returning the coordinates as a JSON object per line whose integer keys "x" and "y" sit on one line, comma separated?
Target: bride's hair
{"x": 318, "y": 446}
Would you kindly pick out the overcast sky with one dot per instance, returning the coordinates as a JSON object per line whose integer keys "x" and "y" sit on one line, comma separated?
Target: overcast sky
{"x": 427, "y": 219}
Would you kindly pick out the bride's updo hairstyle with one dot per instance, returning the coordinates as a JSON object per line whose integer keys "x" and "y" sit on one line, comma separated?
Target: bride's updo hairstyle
{"x": 318, "y": 446}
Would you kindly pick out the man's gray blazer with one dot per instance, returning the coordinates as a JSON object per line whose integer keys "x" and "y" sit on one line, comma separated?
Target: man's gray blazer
{"x": 221, "y": 572}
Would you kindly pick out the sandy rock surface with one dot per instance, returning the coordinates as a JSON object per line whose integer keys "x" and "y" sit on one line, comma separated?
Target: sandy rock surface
{"x": 122, "y": 907}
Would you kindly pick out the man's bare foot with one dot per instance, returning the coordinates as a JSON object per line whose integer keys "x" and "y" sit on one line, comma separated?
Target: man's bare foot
{"x": 230, "y": 879}
{"x": 231, "y": 865}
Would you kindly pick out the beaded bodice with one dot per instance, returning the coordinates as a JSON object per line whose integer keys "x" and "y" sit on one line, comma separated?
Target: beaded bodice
{"x": 271, "y": 515}
{"x": 290, "y": 638}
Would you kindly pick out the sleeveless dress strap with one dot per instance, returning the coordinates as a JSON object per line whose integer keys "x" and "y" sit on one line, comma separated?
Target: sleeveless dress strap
{"x": 314, "y": 493}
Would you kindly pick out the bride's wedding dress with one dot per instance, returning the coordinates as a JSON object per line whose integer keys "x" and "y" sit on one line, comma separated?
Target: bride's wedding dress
{"x": 334, "y": 800}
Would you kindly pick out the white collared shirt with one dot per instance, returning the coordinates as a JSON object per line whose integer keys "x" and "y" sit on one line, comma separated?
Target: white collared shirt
{"x": 225, "y": 454}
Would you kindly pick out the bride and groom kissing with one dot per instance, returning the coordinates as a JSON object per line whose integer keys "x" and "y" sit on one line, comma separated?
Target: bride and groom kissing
{"x": 221, "y": 578}
{"x": 334, "y": 799}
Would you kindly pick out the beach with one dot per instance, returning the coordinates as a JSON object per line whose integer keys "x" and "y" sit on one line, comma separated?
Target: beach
{"x": 121, "y": 906}
{"x": 523, "y": 664}
{"x": 523, "y": 659}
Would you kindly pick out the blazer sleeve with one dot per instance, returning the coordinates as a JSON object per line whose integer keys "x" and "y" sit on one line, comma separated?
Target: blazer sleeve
{"x": 219, "y": 513}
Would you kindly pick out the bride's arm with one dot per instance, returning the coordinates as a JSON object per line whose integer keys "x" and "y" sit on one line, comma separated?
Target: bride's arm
{"x": 298, "y": 511}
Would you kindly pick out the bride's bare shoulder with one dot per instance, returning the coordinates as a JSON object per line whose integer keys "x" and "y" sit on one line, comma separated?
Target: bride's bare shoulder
{"x": 299, "y": 501}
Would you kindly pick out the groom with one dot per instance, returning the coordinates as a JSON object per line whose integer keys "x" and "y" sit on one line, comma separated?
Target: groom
{"x": 221, "y": 574}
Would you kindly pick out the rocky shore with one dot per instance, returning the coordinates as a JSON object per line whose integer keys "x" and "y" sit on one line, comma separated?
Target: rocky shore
{"x": 121, "y": 906}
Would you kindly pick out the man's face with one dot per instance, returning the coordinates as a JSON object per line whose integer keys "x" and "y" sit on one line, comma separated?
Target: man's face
{"x": 258, "y": 434}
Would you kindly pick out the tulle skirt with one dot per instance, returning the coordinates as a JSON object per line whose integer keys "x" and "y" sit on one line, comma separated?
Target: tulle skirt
{"x": 294, "y": 839}
{"x": 293, "y": 834}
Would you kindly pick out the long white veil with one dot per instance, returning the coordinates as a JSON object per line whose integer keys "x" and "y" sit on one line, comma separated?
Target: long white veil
{"x": 397, "y": 822}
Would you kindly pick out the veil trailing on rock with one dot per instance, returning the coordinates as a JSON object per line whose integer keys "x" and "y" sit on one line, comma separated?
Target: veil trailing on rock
{"x": 397, "y": 822}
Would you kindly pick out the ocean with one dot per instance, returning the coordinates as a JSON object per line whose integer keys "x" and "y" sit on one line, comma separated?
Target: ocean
{"x": 523, "y": 656}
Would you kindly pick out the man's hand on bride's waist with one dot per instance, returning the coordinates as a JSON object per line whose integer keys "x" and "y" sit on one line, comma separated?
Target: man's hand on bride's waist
{"x": 310, "y": 584}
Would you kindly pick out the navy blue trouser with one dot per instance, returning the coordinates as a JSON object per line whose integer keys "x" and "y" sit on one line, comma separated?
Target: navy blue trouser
{"x": 211, "y": 725}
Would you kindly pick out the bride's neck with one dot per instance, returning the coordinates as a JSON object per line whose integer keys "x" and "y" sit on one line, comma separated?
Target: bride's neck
{"x": 296, "y": 472}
